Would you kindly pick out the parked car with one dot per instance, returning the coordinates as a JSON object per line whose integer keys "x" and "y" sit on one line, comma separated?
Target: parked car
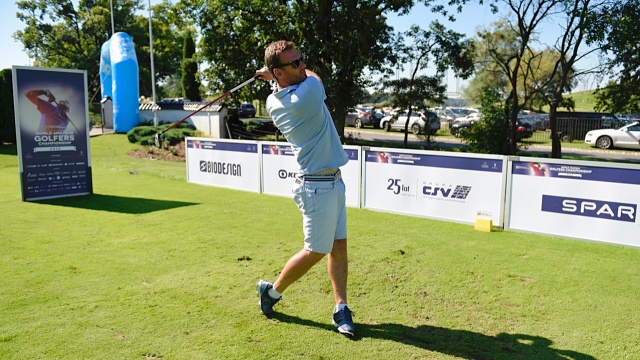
{"x": 246, "y": 109}
{"x": 361, "y": 116}
{"x": 446, "y": 115}
{"x": 459, "y": 127}
{"x": 417, "y": 123}
{"x": 627, "y": 137}
{"x": 575, "y": 125}
{"x": 472, "y": 117}
{"x": 524, "y": 129}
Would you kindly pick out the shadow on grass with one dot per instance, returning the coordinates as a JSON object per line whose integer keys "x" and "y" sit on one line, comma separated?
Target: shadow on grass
{"x": 459, "y": 343}
{"x": 8, "y": 149}
{"x": 119, "y": 204}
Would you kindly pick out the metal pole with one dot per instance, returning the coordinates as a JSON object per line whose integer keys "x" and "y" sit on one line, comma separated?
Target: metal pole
{"x": 153, "y": 75}
{"x": 113, "y": 29}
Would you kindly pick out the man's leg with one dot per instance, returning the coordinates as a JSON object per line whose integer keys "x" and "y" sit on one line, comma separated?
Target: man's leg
{"x": 338, "y": 268}
{"x": 297, "y": 266}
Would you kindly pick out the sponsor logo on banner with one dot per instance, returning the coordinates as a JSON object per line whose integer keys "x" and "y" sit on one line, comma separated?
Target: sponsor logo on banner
{"x": 397, "y": 187}
{"x": 222, "y": 168}
{"x": 284, "y": 174}
{"x": 607, "y": 210}
{"x": 445, "y": 192}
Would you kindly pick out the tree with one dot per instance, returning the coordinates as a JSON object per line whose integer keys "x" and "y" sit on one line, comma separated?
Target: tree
{"x": 486, "y": 136}
{"x": 537, "y": 77}
{"x": 616, "y": 28}
{"x": 578, "y": 16}
{"x": 61, "y": 34}
{"x": 190, "y": 83}
{"x": 509, "y": 48}
{"x": 340, "y": 39}
{"x": 439, "y": 47}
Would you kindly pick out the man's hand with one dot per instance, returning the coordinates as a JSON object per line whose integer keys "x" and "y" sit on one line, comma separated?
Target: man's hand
{"x": 264, "y": 74}
{"x": 50, "y": 97}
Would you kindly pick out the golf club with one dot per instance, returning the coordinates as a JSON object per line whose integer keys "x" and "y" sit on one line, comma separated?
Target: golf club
{"x": 158, "y": 137}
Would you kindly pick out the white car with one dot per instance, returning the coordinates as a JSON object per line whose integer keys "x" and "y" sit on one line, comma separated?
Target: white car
{"x": 627, "y": 137}
{"x": 473, "y": 117}
{"x": 417, "y": 123}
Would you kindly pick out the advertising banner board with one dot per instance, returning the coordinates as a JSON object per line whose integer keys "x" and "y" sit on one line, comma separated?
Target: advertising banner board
{"x": 233, "y": 164}
{"x": 448, "y": 186}
{"x": 279, "y": 171}
{"x": 52, "y": 131}
{"x": 577, "y": 199}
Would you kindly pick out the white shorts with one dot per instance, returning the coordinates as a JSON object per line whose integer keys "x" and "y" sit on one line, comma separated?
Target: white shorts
{"x": 324, "y": 213}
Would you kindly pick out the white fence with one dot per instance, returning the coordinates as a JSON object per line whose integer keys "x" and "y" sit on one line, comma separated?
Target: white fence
{"x": 575, "y": 199}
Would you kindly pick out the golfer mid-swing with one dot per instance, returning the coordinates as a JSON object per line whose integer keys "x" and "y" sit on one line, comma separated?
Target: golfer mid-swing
{"x": 298, "y": 110}
{"x": 52, "y": 118}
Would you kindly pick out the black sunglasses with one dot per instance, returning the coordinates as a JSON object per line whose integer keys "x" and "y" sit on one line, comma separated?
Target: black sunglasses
{"x": 294, "y": 64}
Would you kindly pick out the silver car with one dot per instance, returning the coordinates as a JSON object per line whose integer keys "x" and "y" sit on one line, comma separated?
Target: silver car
{"x": 417, "y": 123}
{"x": 361, "y": 116}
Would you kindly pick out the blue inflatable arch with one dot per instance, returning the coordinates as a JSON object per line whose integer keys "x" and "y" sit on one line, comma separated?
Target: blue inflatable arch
{"x": 119, "y": 80}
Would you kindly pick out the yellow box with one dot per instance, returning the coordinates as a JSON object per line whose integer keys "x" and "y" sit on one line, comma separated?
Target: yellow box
{"x": 484, "y": 224}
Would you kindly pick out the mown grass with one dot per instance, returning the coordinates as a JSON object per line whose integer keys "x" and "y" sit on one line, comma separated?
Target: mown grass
{"x": 152, "y": 267}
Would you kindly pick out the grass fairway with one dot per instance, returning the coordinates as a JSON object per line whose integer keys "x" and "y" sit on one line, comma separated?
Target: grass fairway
{"x": 152, "y": 267}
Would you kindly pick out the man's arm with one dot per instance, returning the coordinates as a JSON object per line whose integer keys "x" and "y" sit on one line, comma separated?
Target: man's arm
{"x": 33, "y": 96}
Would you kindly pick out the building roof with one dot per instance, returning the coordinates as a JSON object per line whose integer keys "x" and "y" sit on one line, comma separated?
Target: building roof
{"x": 182, "y": 105}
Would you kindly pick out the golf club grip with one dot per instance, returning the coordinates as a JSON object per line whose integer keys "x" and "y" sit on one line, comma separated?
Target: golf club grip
{"x": 211, "y": 102}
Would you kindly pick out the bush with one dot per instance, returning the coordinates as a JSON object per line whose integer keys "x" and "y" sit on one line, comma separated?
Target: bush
{"x": 489, "y": 135}
{"x": 145, "y": 134}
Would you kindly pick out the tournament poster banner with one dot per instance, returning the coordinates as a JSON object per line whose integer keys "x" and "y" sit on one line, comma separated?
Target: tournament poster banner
{"x": 576, "y": 199}
{"x": 52, "y": 132}
{"x": 280, "y": 169}
{"x": 446, "y": 186}
{"x": 233, "y": 164}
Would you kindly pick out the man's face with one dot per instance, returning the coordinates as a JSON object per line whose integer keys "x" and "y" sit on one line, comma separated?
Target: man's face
{"x": 287, "y": 74}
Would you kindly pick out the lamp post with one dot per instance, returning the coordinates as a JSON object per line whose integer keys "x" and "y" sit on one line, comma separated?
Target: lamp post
{"x": 113, "y": 31}
{"x": 153, "y": 75}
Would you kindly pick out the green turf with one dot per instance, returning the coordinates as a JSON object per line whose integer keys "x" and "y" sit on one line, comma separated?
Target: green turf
{"x": 152, "y": 267}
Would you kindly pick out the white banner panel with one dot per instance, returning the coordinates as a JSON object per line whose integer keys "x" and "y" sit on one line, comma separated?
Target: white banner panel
{"x": 232, "y": 164}
{"x": 279, "y": 170}
{"x": 578, "y": 199}
{"x": 448, "y": 186}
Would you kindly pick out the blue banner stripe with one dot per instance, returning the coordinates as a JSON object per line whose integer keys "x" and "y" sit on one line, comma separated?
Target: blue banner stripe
{"x": 222, "y": 146}
{"x": 574, "y": 172}
{"x": 446, "y": 162}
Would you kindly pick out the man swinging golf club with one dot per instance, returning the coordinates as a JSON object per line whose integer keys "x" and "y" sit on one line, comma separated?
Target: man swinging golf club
{"x": 53, "y": 118}
{"x": 298, "y": 110}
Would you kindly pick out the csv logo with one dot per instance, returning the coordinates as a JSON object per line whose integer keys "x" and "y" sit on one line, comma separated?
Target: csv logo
{"x": 460, "y": 192}
{"x": 591, "y": 208}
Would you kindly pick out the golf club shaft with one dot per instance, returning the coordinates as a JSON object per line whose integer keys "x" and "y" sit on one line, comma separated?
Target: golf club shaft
{"x": 70, "y": 122}
{"x": 210, "y": 103}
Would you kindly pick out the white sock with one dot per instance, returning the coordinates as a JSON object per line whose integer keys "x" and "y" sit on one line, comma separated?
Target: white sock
{"x": 339, "y": 307}
{"x": 274, "y": 294}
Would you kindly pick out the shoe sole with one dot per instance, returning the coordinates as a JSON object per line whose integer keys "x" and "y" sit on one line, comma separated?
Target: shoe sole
{"x": 343, "y": 332}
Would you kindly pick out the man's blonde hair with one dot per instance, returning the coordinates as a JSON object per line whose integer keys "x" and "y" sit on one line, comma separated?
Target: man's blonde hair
{"x": 272, "y": 54}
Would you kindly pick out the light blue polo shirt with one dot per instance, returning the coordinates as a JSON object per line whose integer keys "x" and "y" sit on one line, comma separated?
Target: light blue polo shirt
{"x": 302, "y": 117}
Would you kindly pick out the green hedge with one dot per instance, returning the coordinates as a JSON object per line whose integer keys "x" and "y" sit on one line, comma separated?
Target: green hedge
{"x": 7, "y": 115}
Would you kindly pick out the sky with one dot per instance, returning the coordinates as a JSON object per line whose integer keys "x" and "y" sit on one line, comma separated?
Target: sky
{"x": 468, "y": 21}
